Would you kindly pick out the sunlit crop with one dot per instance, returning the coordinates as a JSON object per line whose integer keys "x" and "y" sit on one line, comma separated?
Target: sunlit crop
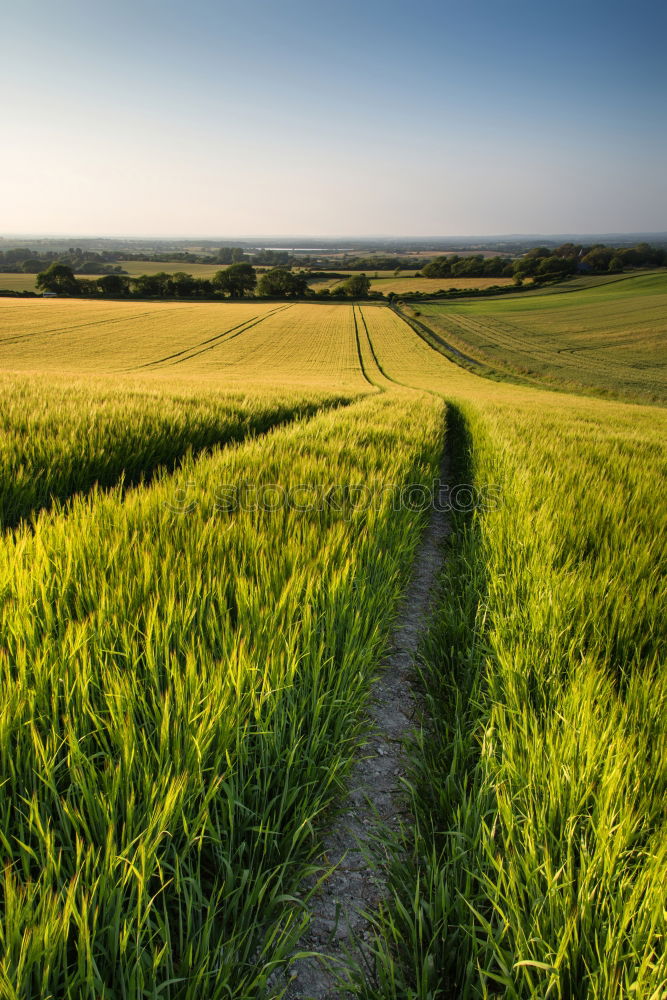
{"x": 195, "y": 603}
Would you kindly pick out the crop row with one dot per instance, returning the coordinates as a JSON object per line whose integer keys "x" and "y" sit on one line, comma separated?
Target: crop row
{"x": 235, "y": 345}
{"x": 539, "y": 863}
{"x": 60, "y": 438}
{"x": 181, "y": 695}
{"x": 607, "y": 340}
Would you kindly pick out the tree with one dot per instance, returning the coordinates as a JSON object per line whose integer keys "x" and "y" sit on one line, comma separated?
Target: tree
{"x": 441, "y": 267}
{"x": 568, "y": 250}
{"x": 272, "y": 258}
{"x": 468, "y": 267}
{"x": 598, "y": 258}
{"x": 555, "y": 267}
{"x": 33, "y": 265}
{"x": 524, "y": 267}
{"x": 183, "y": 285}
{"x": 86, "y": 286}
{"x": 278, "y": 283}
{"x": 357, "y": 286}
{"x": 237, "y": 280}
{"x": 113, "y": 284}
{"x": 57, "y": 278}
{"x": 151, "y": 285}
{"x": 538, "y": 252}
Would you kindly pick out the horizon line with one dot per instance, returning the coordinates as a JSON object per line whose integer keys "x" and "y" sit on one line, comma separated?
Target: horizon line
{"x": 301, "y": 237}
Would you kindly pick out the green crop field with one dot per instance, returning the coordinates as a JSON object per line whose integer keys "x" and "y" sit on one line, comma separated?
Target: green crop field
{"x": 187, "y": 646}
{"x": 18, "y": 282}
{"x": 136, "y": 267}
{"x": 609, "y": 338}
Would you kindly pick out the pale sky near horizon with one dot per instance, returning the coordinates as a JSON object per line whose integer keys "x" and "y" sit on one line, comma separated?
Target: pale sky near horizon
{"x": 155, "y": 117}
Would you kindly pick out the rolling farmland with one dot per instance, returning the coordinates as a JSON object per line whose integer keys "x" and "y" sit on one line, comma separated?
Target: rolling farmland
{"x": 609, "y": 338}
{"x": 381, "y": 281}
{"x": 186, "y": 665}
{"x": 544, "y": 677}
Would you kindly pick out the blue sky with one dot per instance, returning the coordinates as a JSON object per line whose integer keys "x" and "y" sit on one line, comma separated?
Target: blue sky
{"x": 293, "y": 117}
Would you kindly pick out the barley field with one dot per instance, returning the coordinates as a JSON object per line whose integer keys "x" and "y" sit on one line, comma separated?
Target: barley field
{"x": 195, "y": 604}
{"x": 539, "y": 782}
{"x": 62, "y": 436}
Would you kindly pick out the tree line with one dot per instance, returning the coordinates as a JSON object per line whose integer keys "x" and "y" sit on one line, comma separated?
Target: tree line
{"x": 240, "y": 279}
{"x": 236, "y": 281}
{"x": 545, "y": 263}
{"x": 23, "y": 260}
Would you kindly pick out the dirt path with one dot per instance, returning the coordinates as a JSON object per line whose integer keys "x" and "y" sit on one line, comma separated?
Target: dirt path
{"x": 374, "y": 797}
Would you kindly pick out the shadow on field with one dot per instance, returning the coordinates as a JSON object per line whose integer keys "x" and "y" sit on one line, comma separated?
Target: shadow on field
{"x": 133, "y": 462}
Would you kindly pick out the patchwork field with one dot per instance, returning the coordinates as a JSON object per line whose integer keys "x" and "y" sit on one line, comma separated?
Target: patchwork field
{"x": 195, "y": 605}
{"x": 381, "y": 281}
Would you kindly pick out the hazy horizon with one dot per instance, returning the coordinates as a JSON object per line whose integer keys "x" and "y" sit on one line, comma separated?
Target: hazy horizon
{"x": 365, "y": 121}
{"x": 325, "y": 237}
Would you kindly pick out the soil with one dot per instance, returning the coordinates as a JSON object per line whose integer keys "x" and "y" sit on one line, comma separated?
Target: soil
{"x": 338, "y": 930}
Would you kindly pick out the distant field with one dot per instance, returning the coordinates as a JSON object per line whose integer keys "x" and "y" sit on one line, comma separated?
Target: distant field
{"x": 409, "y": 281}
{"x": 609, "y": 337}
{"x": 401, "y": 286}
{"x": 137, "y": 267}
{"x": 18, "y": 282}
{"x": 317, "y": 286}
{"x": 333, "y": 282}
{"x": 371, "y": 273}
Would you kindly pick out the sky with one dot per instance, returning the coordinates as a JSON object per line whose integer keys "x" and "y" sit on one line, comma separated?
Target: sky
{"x": 215, "y": 118}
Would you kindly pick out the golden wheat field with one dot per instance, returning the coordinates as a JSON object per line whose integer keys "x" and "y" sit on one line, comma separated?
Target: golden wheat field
{"x": 249, "y": 342}
{"x": 429, "y": 286}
